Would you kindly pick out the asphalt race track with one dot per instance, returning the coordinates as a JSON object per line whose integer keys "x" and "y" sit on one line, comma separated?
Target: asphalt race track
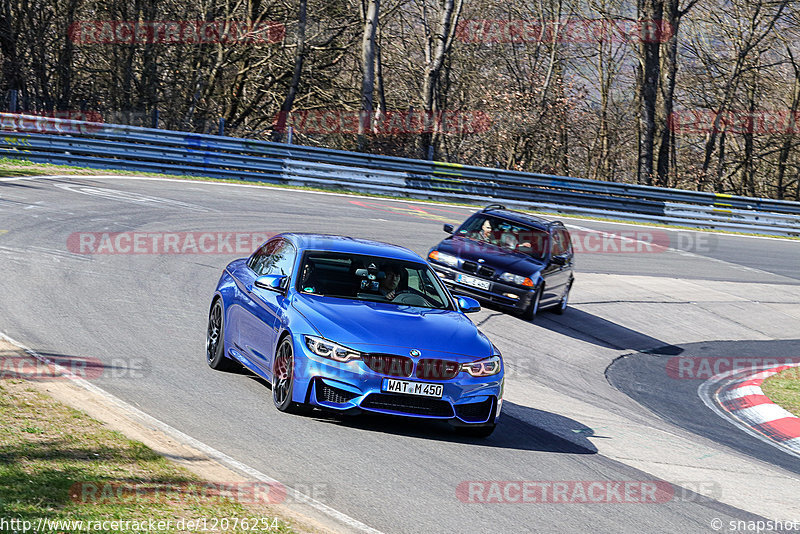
{"x": 143, "y": 315}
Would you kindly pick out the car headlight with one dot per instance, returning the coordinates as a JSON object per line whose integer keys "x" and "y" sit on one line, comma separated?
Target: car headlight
{"x": 330, "y": 350}
{"x": 442, "y": 257}
{"x": 517, "y": 279}
{"x": 486, "y": 367}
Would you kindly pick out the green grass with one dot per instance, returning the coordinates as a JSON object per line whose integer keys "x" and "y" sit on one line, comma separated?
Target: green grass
{"x": 48, "y": 449}
{"x": 20, "y": 168}
{"x": 784, "y": 389}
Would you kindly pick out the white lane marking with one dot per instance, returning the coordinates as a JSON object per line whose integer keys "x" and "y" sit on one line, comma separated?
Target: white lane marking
{"x": 184, "y": 438}
{"x": 16, "y": 178}
{"x": 130, "y": 198}
{"x": 404, "y": 200}
{"x": 763, "y": 413}
{"x": 707, "y": 393}
{"x": 793, "y": 443}
{"x": 742, "y": 391}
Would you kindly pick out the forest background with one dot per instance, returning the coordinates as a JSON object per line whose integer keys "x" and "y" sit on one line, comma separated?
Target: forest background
{"x": 694, "y": 94}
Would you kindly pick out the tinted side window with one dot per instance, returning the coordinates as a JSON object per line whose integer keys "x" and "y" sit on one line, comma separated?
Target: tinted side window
{"x": 275, "y": 257}
{"x": 561, "y": 242}
{"x": 565, "y": 239}
{"x": 283, "y": 259}
{"x": 260, "y": 257}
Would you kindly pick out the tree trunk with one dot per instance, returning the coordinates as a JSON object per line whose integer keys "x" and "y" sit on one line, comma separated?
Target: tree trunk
{"x": 443, "y": 40}
{"x": 748, "y": 178}
{"x": 368, "y": 65}
{"x": 12, "y": 68}
{"x": 299, "y": 59}
{"x": 786, "y": 146}
{"x": 669, "y": 70}
{"x": 64, "y": 67}
{"x": 649, "y": 48}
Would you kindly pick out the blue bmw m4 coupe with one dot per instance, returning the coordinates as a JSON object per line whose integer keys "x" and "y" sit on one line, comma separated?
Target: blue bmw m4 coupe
{"x": 353, "y": 325}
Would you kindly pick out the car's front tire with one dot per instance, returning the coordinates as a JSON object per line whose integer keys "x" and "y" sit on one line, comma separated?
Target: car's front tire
{"x": 215, "y": 340}
{"x": 283, "y": 379}
{"x": 533, "y": 308}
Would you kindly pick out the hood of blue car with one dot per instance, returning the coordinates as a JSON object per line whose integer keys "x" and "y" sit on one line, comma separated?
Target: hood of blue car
{"x": 366, "y": 325}
{"x": 495, "y": 257}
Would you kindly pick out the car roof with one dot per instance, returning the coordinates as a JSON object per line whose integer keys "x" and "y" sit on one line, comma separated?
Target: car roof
{"x": 519, "y": 217}
{"x": 351, "y": 245}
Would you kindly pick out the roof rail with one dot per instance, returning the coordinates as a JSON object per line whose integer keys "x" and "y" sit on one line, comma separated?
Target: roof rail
{"x": 494, "y": 207}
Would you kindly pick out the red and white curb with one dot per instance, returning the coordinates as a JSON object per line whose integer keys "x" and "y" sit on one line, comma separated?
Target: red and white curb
{"x": 737, "y": 396}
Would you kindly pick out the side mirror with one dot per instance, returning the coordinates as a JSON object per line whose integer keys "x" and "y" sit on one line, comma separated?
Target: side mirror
{"x": 468, "y": 305}
{"x": 559, "y": 260}
{"x": 449, "y": 228}
{"x": 272, "y": 282}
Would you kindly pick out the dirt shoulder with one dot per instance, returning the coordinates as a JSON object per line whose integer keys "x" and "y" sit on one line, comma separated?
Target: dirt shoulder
{"x": 72, "y": 453}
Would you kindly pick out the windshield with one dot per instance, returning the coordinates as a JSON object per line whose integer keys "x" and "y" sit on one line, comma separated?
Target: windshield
{"x": 506, "y": 235}
{"x": 371, "y": 278}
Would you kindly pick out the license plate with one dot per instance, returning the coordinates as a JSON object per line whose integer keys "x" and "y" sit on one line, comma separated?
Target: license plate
{"x": 472, "y": 281}
{"x": 406, "y": 387}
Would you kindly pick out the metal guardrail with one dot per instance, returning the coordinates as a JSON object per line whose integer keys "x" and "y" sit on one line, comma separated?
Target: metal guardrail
{"x": 104, "y": 146}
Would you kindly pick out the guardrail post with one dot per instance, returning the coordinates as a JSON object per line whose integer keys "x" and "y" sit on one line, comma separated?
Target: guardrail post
{"x": 221, "y": 126}
{"x": 12, "y": 104}
{"x": 289, "y": 137}
{"x": 155, "y": 118}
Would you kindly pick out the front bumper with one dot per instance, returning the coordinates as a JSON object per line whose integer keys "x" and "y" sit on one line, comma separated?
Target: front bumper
{"x": 498, "y": 293}
{"x": 353, "y": 386}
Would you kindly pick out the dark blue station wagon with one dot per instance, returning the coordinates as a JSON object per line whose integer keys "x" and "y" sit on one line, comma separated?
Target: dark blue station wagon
{"x": 508, "y": 258}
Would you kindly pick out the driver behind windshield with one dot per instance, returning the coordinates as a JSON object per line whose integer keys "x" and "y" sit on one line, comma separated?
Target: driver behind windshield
{"x": 388, "y": 286}
{"x": 486, "y": 233}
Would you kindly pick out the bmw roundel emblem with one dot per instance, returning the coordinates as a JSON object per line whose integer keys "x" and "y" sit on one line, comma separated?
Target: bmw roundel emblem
{"x": 415, "y": 353}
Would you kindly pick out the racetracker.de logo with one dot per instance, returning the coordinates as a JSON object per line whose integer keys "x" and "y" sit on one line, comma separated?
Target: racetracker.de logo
{"x": 229, "y": 32}
{"x": 625, "y": 242}
{"x": 166, "y": 242}
{"x": 703, "y": 368}
{"x": 337, "y": 121}
{"x": 641, "y": 241}
{"x": 687, "y": 121}
{"x": 197, "y": 493}
{"x": 44, "y": 124}
{"x": 17, "y": 366}
{"x": 564, "y": 491}
{"x": 583, "y": 31}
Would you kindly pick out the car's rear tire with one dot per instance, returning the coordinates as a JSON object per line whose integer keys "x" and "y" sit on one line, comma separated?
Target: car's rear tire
{"x": 533, "y": 308}
{"x": 564, "y": 302}
{"x": 215, "y": 340}
{"x": 283, "y": 380}
{"x": 476, "y": 431}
